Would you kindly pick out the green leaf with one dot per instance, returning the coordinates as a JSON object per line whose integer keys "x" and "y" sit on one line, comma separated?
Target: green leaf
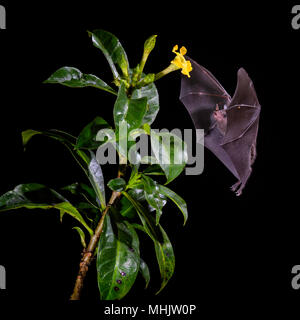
{"x": 72, "y": 211}
{"x": 145, "y": 272}
{"x": 166, "y": 259}
{"x": 37, "y": 196}
{"x": 130, "y": 110}
{"x": 86, "y": 205}
{"x": 72, "y": 77}
{"x": 87, "y": 137}
{"x": 180, "y": 203}
{"x": 126, "y": 207}
{"x": 54, "y": 134}
{"x": 30, "y": 195}
{"x": 149, "y": 78}
{"x": 163, "y": 247}
{"x": 81, "y": 188}
{"x": 117, "y": 184}
{"x": 170, "y": 152}
{"x": 90, "y": 165}
{"x": 118, "y": 259}
{"x": 27, "y": 135}
{"x": 154, "y": 170}
{"x": 84, "y": 198}
{"x": 153, "y": 196}
{"x": 149, "y": 92}
{"x": 81, "y": 235}
{"x": 67, "y": 140}
{"x": 97, "y": 180}
{"x": 113, "y": 52}
{"x": 146, "y": 218}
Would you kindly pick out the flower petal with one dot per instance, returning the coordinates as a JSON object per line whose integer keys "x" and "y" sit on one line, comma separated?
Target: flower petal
{"x": 175, "y": 48}
{"x": 183, "y": 50}
{"x": 177, "y": 62}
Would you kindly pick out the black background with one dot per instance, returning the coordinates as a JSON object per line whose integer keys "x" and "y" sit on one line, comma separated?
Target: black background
{"x": 235, "y": 255}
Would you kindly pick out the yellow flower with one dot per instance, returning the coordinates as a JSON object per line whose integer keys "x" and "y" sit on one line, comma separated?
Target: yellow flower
{"x": 180, "y": 62}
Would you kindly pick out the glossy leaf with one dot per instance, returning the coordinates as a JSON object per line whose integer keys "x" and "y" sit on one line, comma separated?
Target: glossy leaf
{"x": 153, "y": 196}
{"x": 146, "y": 218}
{"x": 87, "y": 137}
{"x": 163, "y": 247}
{"x": 166, "y": 259}
{"x": 145, "y": 272}
{"x": 81, "y": 188}
{"x": 72, "y": 77}
{"x": 117, "y": 184}
{"x": 154, "y": 170}
{"x": 81, "y": 235}
{"x": 89, "y": 164}
{"x": 113, "y": 52}
{"x": 67, "y": 140}
{"x": 37, "y": 196}
{"x": 97, "y": 180}
{"x": 130, "y": 110}
{"x": 180, "y": 203}
{"x": 149, "y": 92}
{"x": 126, "y": 207}
{"x": 84, "y": 200}
{"x": 54, "y": 134}
{"x": 170, "y": 152}
{"x": 118, "y": 259}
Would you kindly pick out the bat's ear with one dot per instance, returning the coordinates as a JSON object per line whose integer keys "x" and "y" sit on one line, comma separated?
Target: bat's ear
{"x": 245, "y": 92}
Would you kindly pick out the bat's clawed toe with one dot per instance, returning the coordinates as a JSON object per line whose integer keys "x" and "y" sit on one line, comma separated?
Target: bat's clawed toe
{"x": 235, "y": 186}
{"x": 238, "y": 193}
{"x": 238, "y": 188}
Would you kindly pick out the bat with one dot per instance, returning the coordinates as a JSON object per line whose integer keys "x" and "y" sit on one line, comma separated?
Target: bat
{"x": 230, "y": 124}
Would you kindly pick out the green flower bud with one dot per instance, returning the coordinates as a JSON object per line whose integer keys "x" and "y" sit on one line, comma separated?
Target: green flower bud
{"x": 149, "y": 44}
{"x": 149, "y": 78}
{"x": 148, "y": 47}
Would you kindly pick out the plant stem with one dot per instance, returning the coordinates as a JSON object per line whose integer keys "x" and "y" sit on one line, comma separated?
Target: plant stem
{"x": 88, "y": 253}
{"x": 172, "y": 67}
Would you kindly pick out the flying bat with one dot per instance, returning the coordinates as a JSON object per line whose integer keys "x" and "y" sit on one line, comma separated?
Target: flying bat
{"x": 230, "y": 124}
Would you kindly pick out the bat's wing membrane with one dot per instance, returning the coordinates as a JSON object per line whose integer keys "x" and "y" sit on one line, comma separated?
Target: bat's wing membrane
{"x": 213, "y": 142}
{"x": 200, "y": 94}
{"x": 243, "y": 110}
{"x": 242, "y": 125}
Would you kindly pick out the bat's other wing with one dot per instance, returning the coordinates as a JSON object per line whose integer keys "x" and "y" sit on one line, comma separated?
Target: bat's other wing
{"x": 242, "y": 125}
{"x": 243, "y": 110}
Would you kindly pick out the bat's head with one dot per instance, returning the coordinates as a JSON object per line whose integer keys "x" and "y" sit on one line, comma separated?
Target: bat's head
{"x": 220, "y": 117}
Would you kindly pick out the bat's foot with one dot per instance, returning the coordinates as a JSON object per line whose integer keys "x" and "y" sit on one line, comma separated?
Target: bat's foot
{"x": 239, "y": 192}
{"x": 235, "y": 186}
{"x": 238, "y": 188}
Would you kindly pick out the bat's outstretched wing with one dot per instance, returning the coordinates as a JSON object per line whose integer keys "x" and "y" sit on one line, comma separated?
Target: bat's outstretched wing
{"x": 242, "y": 125}
{"x": 200, "y": 94}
